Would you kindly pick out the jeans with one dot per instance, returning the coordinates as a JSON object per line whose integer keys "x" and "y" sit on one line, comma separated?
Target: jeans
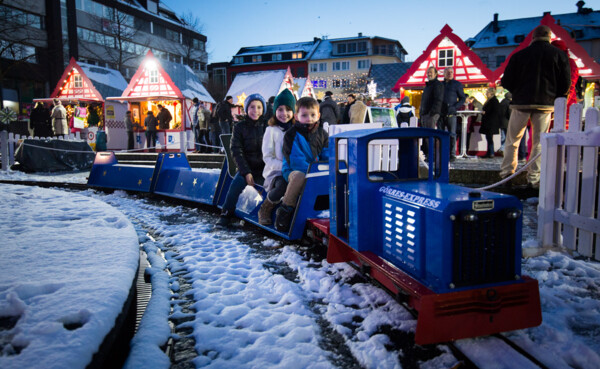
{"x": 214, "y": 133}
{"x": 489, "y": 137}
{"x": 129, "y": 140}
{"x": 225, "y": 127}
{"x": 278, "y": 190}
{"x": 201, "y": 139}
{"x": 449, "y": 124}
{"x": 151, "y": 139}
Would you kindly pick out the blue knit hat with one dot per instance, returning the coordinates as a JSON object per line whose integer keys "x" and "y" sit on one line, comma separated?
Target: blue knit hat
{"x": 253, "y": 97}
{"x": 287, "y": 98}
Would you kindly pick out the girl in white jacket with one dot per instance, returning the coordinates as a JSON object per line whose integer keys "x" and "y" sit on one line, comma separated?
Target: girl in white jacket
{"x": 282, "y": 119}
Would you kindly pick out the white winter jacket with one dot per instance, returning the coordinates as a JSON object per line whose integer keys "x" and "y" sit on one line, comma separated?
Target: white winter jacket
{"x": 272, "y": 155}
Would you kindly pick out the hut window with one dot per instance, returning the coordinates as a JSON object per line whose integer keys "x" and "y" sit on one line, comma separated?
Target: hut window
{"x": 77, "y": 81}
{"x": 446, "y": 58}
{"x": 154, "y": 76}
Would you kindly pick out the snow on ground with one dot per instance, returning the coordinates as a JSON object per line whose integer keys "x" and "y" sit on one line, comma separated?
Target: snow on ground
{"x": 67, "y": 265}
{"x": 260, "y": 303}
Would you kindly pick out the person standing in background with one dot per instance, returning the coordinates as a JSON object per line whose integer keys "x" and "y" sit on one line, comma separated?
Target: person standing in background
{"x": 536, "y": 76}
{"x": 150, "y": 122}
{"x": 330, "y": 111}
{"x": 454, "y": 99}
{"x": 59, "y": 119}
{"x": 164, "y": 117}
{"x": 431, "y": 103}
{"x": 491, "y": 120}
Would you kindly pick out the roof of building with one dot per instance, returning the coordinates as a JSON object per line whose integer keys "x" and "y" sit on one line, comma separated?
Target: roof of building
{"x": 325, "y": 48}
{"x": 588, "y": 68}
{"x": 468, "y": 68}
{"x": 386, "y": 76}
{"x": 173, "y": 81}
{"x": 306, "y": 47}
{"x": 108, "y": 82}
{"x": 266, "y": 83}
{"x": 513, "y": 30}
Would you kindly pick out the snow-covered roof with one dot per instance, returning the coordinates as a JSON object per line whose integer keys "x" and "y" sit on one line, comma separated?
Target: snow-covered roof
{"x": 108, "y": 82}
{"x": 587, "y": 26}
{"x": 386, "y": 75}
{"x": 187, "y": 81}
{"x": 281, "y": 48}
{"x": 325, "y": 48}
{"x": 266, "y": 83}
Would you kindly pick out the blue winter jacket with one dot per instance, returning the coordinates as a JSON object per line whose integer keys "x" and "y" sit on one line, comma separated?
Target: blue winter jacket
{"x": 300, "y": 149}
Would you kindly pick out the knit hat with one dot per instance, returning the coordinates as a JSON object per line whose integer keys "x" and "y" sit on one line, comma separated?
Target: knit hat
{"x": 287, "y": 98}
{"x": 405, "y": 100}
{"x": 328, "y": 93}
{"x": 253, "y": 97}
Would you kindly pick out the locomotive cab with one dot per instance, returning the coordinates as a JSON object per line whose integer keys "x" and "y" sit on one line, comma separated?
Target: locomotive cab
{"x": 445, "y": 249}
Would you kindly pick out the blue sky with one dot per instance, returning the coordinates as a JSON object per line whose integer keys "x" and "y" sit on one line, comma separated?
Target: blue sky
{"x": 232, "y": 24}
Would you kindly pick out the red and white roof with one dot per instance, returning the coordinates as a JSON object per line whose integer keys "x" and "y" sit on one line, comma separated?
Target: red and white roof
{"x": 588, "y": 68}
{"x": 150, "y": 82}
{"x": 447, "y": 49}
{"x": 74, "y": 84}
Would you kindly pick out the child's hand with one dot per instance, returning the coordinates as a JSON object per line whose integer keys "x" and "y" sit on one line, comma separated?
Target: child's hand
{"x": 249, "y": 179}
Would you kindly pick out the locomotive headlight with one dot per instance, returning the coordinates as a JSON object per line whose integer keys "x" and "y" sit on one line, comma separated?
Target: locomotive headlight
{"x": 513, "y": 214}
{"x": 471, "y": 217}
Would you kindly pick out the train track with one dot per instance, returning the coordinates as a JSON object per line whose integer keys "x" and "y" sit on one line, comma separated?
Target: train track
{"x": 486, "y": 347}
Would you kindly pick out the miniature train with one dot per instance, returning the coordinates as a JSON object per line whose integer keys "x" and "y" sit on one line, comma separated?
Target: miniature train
{"x": 451, "y": 253}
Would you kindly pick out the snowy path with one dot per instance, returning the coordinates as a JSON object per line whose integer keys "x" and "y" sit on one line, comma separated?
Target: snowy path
{"x": 240, "y": 298}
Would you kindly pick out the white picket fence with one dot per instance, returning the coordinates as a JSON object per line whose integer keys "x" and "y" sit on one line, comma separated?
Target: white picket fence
{"x": 13, "y": 141}
{"x": 569, "y": 187}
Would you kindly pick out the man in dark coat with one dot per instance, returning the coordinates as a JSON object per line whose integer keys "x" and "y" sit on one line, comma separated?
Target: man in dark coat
{"x": 431, "y": 103}
{"x": 225, "y": 116}
{"x": 346, "y": 115}
{"x": 330, "y": 111}
{"x": 535, "y": 76}
{"x": 454, "y": 99}
{"x": 164, "y": 117}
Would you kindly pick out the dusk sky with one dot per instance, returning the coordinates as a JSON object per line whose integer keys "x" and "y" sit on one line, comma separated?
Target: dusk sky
{"x": 232, "y": 24}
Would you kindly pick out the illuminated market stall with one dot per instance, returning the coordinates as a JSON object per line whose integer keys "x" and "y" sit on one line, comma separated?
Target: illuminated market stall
{"x": 449, "y": 50}
{"x": 83, "y": 89}
{"x": 172, "y": 85}
{"x": 303, "y": 87}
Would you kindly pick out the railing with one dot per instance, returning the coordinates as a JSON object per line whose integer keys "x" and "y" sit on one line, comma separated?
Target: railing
{"x": 10, "y": 141}
{"x": 569, "y": 187}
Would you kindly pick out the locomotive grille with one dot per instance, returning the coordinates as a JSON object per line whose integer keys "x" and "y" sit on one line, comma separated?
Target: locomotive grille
{"x": 483, "y": 248}
{"x": 401, "y": 236}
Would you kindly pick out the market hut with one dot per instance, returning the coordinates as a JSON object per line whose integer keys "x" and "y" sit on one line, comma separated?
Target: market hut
{"x": 83, "y": 89}
{"x": 266, "y": 83}
{"x": 449, "y": 50}
{"x": 171, "y": 85}
{"x": 303, "y": 87}
{"x": 588, "y": 68}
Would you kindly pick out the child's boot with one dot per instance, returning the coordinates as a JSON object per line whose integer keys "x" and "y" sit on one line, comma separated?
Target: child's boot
{"x": 265, "y": 211}
{"x": 284, "y": 218}
{"x": 225, "y": 218}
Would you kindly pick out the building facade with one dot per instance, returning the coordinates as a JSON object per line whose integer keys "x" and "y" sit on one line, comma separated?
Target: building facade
{"x": 494, "y": 43}
{"x": 342, "y": 65}
{"x": 112, "y": 34}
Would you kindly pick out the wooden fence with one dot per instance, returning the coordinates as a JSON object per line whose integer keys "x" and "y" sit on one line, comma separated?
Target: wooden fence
{"x": 569, "y": 186}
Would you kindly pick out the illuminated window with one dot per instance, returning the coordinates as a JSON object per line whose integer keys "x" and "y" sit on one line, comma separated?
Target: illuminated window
{"x": 336, "y": 83}
{"x": 77, "y": 81}
{"x": 256, "y": 58}
{"x": 154, "y": 76}
{"x": 297, "y": 55}
{"x": 446, "y": 58}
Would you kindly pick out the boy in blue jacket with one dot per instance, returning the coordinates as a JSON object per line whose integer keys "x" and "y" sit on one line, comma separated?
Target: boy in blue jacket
{"x": 305, "y": 143}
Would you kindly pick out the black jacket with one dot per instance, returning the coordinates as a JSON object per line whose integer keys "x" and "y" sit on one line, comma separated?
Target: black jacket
{"x": 431, "y": 101}
{"x": 454, "y": 97}
{"x": 246, "y": 146}
{"x": 330, "y": 111}
{"x": 537, "y": 75}
{"x": 224, "y": 111}
{"x": 505, "y": 113}
{"x": 492, "y": 119}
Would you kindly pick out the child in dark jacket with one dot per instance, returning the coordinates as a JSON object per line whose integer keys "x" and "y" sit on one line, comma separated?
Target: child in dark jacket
{"x": 305, "y": 143}
{"x": 246, "y": 149}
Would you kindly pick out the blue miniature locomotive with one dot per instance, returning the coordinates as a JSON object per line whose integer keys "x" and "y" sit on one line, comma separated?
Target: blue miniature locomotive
{"x": 451, "y": 253}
